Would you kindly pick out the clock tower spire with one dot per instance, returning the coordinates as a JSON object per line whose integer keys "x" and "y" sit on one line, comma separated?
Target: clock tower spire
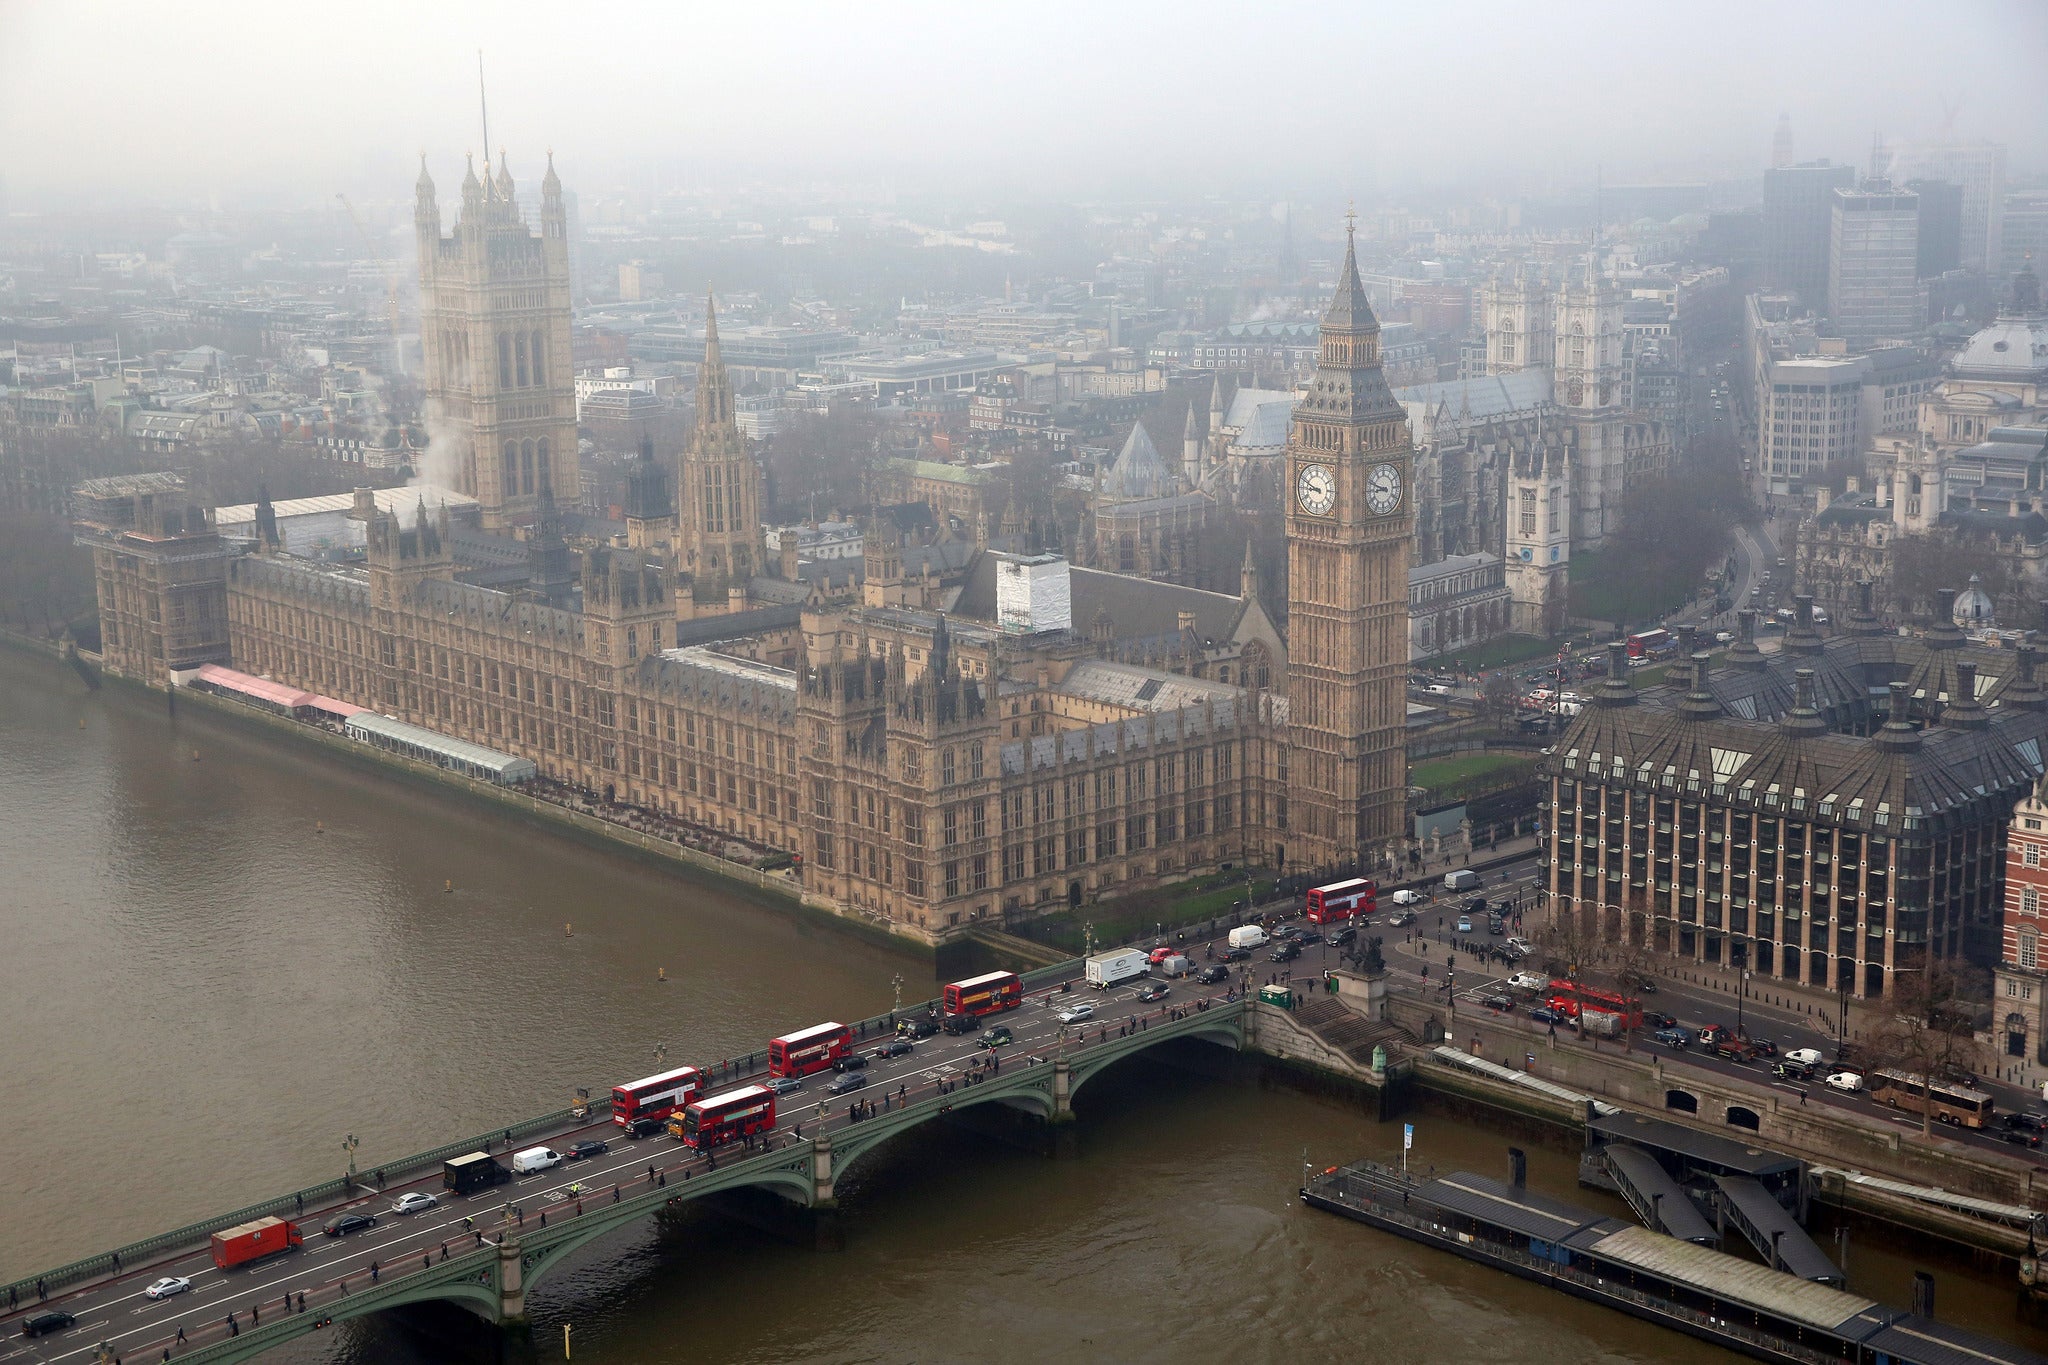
{"x": 1348, "y": 534}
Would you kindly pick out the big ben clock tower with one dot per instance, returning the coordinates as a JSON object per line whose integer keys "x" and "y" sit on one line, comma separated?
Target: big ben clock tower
{"x": 1348, "y": 531}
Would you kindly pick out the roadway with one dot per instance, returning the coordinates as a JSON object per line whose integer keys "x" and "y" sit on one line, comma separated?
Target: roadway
{"x": 1426, "y": 944}
{"x": 115, "y": 1312}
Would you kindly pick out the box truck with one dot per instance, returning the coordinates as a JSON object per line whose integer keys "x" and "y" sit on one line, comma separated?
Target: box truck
{"x": 1114, "y": 968}
{"x": 468, "y": 1174}
{"x": 253, "y": 1241}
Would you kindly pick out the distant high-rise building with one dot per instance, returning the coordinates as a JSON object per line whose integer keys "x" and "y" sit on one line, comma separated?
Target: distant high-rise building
{"x": 1781, "y": 145}
{"x": 494, "y": 330}
{"x": 1798, "y": 203}
{"x": 2024, "y": 233}
{"x": 1979, "y": 167}
{"x": 1873, "y": 263}
{"x": 1941, "y": 226}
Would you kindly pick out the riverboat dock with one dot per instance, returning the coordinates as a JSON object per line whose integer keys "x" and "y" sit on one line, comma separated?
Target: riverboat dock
{"x": 1739, "y": 1304}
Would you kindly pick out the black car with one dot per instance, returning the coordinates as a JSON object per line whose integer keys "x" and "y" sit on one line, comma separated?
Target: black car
{"x": 851, "y": 1062}
{"x": 1308, "y": 938}
{"x": 1286, "y": 952}
{"x": 1659, "y": 1019}
{"x": 847, "y": 1083}
{"x": 645, "y": 1126}
{"x": 960, "y": 1023}
{"x": 42, "y": 1324}
{"x": 1476, "y": 906}
{"x": 2020, "y": 1137}
{"x": 342, "y": 1224}
{"x": 1343, "y": 936}
{"x": 1499, "y": 1003}
{"x": 895, "y": 1047}
{"x": 999, "y": 1036}
{"x": 918, "y": 1026}
{"x": 583, "y": 1151}
{"x": 1213, "y": 975}
{"x": 1236, "y": 955}
{"x": 2031, "y": 1122}
{"x": 1155, "y": 991}
{"x": 1795, "y": 1071}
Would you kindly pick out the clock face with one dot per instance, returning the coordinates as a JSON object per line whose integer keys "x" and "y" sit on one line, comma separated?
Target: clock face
{"x": 1316, "y": 490}
{"x": 1383, "y": 489}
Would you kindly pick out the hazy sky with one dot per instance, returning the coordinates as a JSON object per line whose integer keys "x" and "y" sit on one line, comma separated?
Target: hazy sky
{"x": 292, "y": 101}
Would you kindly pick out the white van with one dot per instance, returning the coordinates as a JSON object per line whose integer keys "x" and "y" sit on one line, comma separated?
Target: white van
{"x": 1247, "y": 936}
{"x": 534, "y": 1159}
{"x": 1464, "y": 879}
{"x": 1528, "y": 981}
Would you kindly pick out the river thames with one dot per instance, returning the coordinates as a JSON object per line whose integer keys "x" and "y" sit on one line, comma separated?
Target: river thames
{"x": 220, "y": 966}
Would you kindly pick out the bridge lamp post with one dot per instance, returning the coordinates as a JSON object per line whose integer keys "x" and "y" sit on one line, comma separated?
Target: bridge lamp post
{"x": 897, "y": 982}
{"x": 660, "y": 1056}
{"x": 349, "y": 1145}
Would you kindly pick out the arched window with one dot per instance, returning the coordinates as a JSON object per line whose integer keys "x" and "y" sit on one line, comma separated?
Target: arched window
{"x": 504, "y": 361}
{"x": 540, "y": 369}
{"x": 508, "y": 477}
{"x": 519, "y": 350}
{"x": 526, "y": 467}
{"x": 542, "y": 471}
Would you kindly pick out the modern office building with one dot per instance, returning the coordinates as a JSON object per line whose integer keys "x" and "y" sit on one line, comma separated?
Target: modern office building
{"x": 1874, "y": 263}
{"x": 1979, "y": 168}
{"x": 1941, "y": 226}
{"x": 1798, "y": 216}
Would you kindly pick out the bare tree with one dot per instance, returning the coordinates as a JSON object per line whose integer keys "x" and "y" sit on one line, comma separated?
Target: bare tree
{"x": 1930, "y": 1030}
{"x": 1498, "y": 698}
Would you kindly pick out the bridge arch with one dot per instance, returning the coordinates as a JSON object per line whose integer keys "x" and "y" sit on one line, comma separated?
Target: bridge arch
{"x": 1226, "y": 1034}
{"x": 1684, "y": 1101}
{"x": 1741, "y": 1116}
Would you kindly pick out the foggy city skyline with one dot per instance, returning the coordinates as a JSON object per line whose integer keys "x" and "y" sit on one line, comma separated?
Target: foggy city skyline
{"x": 1209, "y": 681}
{"x": 1121, "y": 101}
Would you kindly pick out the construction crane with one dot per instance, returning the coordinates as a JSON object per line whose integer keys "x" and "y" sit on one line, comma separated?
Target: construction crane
{"x": 390, "y": 287}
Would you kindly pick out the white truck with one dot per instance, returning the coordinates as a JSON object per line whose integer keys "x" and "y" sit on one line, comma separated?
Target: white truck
{"x": 1247, "y": 936}
{"x": 1600, "y": 1023}
{"x": 1116, "y": 967}
{"x": 1464, "y": 879}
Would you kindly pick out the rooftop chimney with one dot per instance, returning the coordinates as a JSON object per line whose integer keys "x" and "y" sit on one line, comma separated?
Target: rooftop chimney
{"x": 1898, "y": 731}
{"x": 1699, "y": 703}
{"x": 1963, "y": 711}
{"x": 1804, "y": 719}
{"x": 1744, "y": 654}
{"x": 2021, "y": 692}
{"x": 1616, "y": 691}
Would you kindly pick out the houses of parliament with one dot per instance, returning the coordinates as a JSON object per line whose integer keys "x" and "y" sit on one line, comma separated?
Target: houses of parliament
{"x": 930, "y": 763}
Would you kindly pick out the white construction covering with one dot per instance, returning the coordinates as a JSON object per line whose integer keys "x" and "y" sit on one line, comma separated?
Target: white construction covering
{"x": 1033, "y": 593}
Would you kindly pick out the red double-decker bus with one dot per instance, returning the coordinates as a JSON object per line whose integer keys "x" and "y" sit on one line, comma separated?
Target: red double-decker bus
{"x": 1651, "y": 644}
{"x": 991, "y": 994}
{"x": 813, "y": 1049}
{"x": 655, "y": 1097}
{"x": 728, "y": 1117}
{"x": 1569, "y": 997}
{"x": 1342, "y": 900}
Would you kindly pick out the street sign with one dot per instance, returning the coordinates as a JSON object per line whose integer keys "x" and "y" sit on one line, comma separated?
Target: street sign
{"x": 1407, "y": 1136}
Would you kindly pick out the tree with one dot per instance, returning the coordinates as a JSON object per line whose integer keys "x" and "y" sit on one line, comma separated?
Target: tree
{"x": 1499, "y": 697}
{"x": 1923, "y": 565}
{"x": 1930, "y": 1030}
{"x": 819, "y": 461}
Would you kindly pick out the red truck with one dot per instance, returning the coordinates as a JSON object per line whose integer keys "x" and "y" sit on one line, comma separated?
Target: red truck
{"x": 253, "y": 1241}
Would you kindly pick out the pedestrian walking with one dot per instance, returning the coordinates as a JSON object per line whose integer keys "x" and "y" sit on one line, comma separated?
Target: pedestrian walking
{"x": 302, "y": 1306}
{"x": 181, "y": 1334}
{"x": 543, "y": 1222}
{"x": 256, "y": 1314}
{"x": 374, "y": 1273}
{"x": 117, "y": 1263}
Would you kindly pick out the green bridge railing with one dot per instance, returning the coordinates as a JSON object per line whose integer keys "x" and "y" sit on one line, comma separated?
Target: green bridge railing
{"x": 293, "y": 1204}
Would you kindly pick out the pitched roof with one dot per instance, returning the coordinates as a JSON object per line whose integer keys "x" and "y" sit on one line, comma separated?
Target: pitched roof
{"x": 1138, "y": 471}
